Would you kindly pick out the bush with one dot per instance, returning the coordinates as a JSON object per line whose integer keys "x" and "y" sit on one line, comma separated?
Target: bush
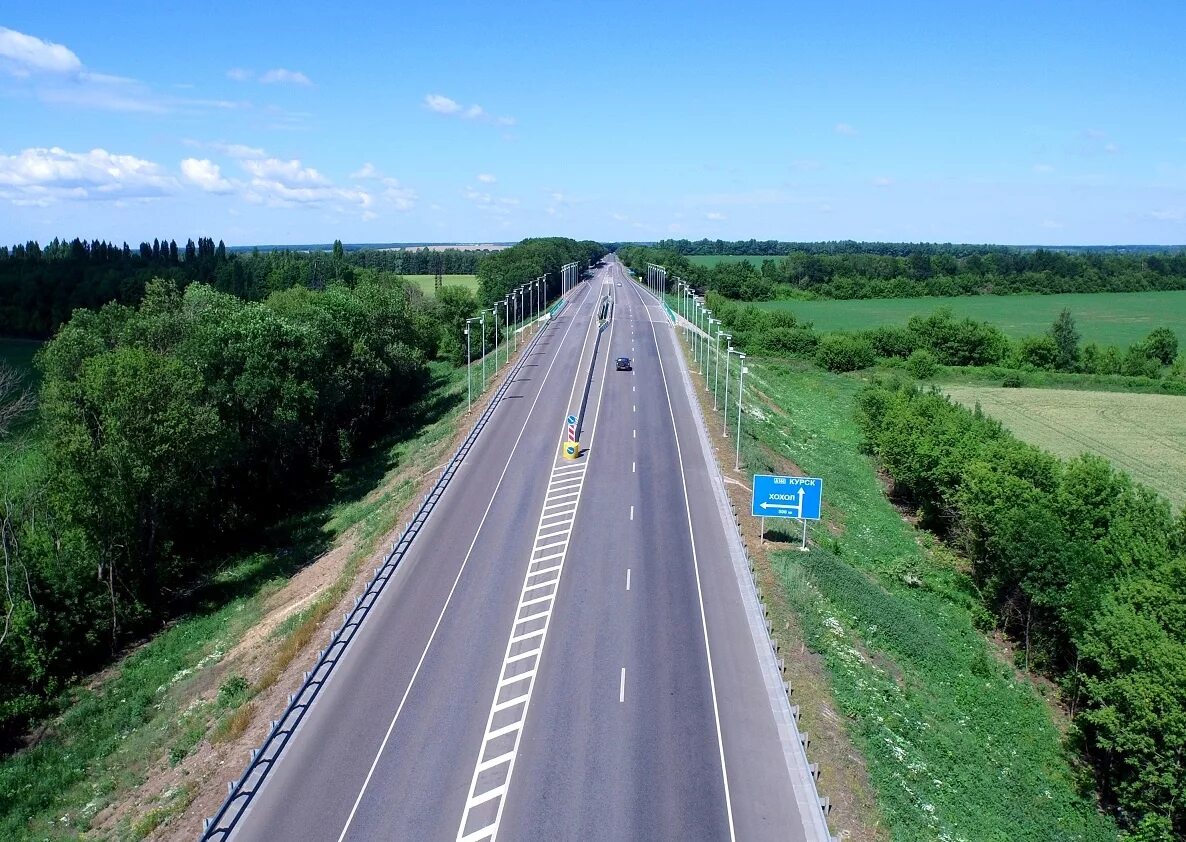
{"x": 889, "y": 341}
{"x": 844, "y": 352}
{"x": 1162, "y": 345}
{"x": 959, "y": 342}
{"x": 1012, "y": 381}
{"x": 922, "y": 364}
{"x": 795, "y": 341}
{"x": 1038, "y": 352}
{"x": 1084, "y": 568}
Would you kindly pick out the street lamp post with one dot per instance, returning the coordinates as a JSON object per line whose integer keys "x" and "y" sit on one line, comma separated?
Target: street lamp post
{"x": 469, "y": 389}
{"x": 740, "y": 393}
{"x": 729, "y": 352}
{"x": 708, "y": 355}
{"x": 483, "y": 323}
{"x": 494, "y": 311}
{"x": 716, "y": 382}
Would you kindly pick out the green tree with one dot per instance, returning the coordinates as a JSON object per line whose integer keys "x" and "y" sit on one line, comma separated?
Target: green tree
{"x": 1066, "y": 339}
{"x": 1162, "y": 345}
{"x": 131, "y": 441}
{"x": 1040, "y": 352}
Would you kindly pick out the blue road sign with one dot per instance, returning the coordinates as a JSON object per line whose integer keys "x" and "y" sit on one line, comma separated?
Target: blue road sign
{"x": 795, "y": 497}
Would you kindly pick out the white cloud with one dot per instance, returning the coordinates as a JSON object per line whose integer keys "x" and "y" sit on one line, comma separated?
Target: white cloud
{"x": 289, "y": 173}
{"x": 714, "y": 216}
{"x": 441, "y": 104}
{"x": 55, "y": 74}
{"x": 205, "y": 174}
{"x": 450, "y": 107}
{"x": 280, "y": 75}
{"x": 883, "y": 181}
{"x": 40, "y": 176}
{"x": 1168, "y": 215}
{"x": 486, "y": 178}
{"x": 238, "y": 150}
{"x": 1053, "y": 225}
{"x": 238, "y": 74}
{"x": 394, "y": 194}
{"x": 24, "y": 54}
{"x": 845, "y": 129}
{"x": 1043, "y": 168}
{"x": 807, "y": 165}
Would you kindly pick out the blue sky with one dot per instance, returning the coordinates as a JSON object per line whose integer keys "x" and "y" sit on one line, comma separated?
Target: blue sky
{"x": 1010, "y": 122}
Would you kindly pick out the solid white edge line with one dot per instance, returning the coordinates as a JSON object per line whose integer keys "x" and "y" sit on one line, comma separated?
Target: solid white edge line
{"x": 699, "y": 589}
{"x": 432, "y": 636}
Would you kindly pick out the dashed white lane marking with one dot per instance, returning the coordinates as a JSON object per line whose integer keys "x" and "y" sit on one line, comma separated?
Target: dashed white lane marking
{"x": 636, "y": 433}
{"x": 632, "y": 513}
{"x": 627, "y": 578}
{"x": 622, "y": 687}
{"x": 508, "y": 709}
{"x": 633, "y": 468}
{"x": 636, "y": 407}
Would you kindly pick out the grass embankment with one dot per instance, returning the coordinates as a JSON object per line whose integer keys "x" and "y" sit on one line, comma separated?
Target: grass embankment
{"x": 1107, "y": 318}
{"x": 958, "y": 745}
{"x": 1142, "y": 435}
{"x": 427, "y": 283}
{"x": 160, "y": 701}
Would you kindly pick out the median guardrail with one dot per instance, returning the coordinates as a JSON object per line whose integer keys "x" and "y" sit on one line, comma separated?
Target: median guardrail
{"x": 240, "y": 792}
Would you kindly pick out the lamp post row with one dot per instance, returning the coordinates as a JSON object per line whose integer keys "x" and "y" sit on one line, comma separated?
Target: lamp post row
{"x": 705, "y": 347}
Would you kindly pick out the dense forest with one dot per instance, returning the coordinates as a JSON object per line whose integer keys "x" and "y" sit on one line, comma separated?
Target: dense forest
{"x": 926, "y": 271}
{"x": 170, "y": 431}
{"x": 771, "y": 248}
{"x": 1082, "y": 568}
{"x": 41, "y": 287}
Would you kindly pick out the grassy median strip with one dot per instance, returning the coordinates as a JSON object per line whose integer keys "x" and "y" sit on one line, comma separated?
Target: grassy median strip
{"x": 958, "y": 744}
{"x": 157, "y": 702}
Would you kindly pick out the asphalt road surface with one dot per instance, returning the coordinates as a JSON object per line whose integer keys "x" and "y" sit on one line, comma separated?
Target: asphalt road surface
{"x": 565, "y": 652}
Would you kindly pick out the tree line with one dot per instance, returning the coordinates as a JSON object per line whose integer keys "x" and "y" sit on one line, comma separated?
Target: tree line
{"x": 168, "y": 433}
{"x": 502, "y": 271}
{"x": 876, "y": 273}
{"x": 1084, "y": 569}
{"x": 419, "y": 261}
{"x": 771, "y": 248}
{"x": 41, "y": 287}
{"x": 170, "y": 430}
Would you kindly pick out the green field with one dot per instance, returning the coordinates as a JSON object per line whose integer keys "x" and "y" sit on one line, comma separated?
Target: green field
{"x": 714, "y": 259}
{"x": 1109, "y": 318}
{"x": 1143, "y": 435}
{"x": 428, "y": 282}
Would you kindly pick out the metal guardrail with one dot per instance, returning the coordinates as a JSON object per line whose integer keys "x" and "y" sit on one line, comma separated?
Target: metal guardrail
{"x": 801, "y": 742}
{"x": 240, "y": 792}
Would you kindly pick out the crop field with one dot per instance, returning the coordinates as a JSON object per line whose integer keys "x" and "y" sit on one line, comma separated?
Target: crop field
{"x": 428, "y": 282}
{"x": 1109, "y": 318}
{"x": 1143, "y": 435}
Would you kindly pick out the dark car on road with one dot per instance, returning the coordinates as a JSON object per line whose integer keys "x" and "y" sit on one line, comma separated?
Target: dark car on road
{"x": 624, "y": 364}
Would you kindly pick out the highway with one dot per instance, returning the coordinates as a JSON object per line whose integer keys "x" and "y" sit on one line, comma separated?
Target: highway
{"x": 565, "y": 651}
